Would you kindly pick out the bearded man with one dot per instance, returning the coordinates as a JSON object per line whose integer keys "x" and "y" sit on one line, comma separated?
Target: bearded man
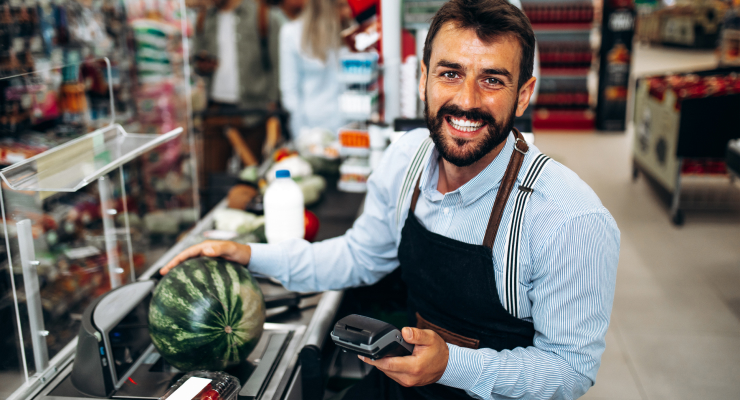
{"x": 510, "y": 259}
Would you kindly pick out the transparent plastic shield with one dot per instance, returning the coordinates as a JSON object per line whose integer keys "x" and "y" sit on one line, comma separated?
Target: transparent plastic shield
{"x": 74, "y": 215}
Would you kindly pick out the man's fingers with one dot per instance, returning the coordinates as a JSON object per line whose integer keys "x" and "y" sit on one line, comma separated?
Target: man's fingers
{"x": 422, "y": 337}
{"x": 396, "y": 369}
{"x": 188, "y": 253}
{"x": 389, "y": 364}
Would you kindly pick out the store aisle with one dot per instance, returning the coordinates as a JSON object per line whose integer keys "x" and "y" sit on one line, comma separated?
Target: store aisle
{"x": 675, "y": 327}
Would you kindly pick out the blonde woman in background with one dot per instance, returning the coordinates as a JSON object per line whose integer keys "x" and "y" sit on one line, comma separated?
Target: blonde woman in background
{"x": 309, "y": 65}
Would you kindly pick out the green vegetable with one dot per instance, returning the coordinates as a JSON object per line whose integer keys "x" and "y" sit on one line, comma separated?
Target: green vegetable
{"x": 249, "y": 174}
{"x": 312, "y": 187}
{"x": 207, "y": 314}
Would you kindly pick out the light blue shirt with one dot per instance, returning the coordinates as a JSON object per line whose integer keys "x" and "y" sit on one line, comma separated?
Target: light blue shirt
{"x": 568, "y": 265}
{"x": 309, "y": 88}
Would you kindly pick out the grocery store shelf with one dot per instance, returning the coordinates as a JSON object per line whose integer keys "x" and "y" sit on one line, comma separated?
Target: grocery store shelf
{"x": 564, "y": 72}
{"x": 75, "y": 164}
{"x": 358, "y": 78}
{"x": 562, "y": 27}
{"x": 563, "y": 119}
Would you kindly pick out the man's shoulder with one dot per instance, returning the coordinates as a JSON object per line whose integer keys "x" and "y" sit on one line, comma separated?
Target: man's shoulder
{"x": 562, "y": 192}
{"x": 397, "y": 158}
{"x": 409, "y": 142}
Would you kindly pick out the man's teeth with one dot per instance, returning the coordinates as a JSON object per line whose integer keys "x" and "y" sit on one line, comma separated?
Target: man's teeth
{"x": 465, "y": 125}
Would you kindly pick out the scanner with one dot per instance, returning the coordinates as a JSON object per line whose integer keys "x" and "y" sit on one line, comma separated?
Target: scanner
{"x": 370, "y": 337}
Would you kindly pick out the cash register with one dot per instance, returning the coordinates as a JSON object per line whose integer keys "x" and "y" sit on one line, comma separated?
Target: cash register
{"x": 115, "y": 358}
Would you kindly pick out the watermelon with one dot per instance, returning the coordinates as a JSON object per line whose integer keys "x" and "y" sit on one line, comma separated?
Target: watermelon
{"x": 206, "y": 314}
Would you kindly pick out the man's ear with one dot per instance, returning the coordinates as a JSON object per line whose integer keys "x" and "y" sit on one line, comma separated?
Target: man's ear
{"x": 423, "y": 82}
{"x": 525, "y": 92}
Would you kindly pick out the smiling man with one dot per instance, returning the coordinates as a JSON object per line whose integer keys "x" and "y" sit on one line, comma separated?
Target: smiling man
{"x": 510, "y": 259}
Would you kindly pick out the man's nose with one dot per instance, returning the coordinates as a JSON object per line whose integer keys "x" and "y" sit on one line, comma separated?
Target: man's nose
{"x": 468, "y": 97}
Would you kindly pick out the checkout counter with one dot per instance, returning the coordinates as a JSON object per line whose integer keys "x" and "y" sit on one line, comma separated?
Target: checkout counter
{"x": 70, "y": 238}
{"x": 285, "y": 364}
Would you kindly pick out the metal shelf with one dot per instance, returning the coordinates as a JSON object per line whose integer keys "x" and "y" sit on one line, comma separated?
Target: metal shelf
{"x": 77, "y": 163}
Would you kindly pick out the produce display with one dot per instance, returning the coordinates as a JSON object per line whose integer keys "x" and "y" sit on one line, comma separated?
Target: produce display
{"x": 207, "y": 313}
{"x": 692, "y": 86}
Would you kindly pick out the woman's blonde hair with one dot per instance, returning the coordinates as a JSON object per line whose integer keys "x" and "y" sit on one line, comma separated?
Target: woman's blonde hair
{"x": 321, "y": 28}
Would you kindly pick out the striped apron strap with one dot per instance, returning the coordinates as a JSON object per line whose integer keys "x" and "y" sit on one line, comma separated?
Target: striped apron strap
{"x": 514, "y": 231}
{"x": 412, "y": 174}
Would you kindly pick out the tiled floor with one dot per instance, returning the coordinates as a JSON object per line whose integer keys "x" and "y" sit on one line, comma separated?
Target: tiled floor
{"x": 675, "y": 326}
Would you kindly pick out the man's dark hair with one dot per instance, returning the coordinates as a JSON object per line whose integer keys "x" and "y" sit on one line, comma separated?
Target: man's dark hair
{"x": 490, "y": 19}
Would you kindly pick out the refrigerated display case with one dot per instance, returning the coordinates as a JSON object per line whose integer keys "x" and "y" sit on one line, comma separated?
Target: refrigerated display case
{"x": 683, "y": 123}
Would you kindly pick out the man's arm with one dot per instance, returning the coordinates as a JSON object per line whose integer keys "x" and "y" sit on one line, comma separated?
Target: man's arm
{"x": 362, "y": 256}
{"x": 572, "y": 295}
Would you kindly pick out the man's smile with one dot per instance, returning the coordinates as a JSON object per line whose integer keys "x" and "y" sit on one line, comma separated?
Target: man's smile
{"x": 465, "y": 127}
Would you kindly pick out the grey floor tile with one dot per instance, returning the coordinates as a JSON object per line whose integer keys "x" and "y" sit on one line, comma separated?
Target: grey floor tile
{"x": 615, "y": 379}
{"x": 675, "y": 331}
{"x": 686, "y": 366}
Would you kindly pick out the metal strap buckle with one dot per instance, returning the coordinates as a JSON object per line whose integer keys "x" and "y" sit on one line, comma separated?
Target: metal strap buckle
{"x": 517, "y": 147}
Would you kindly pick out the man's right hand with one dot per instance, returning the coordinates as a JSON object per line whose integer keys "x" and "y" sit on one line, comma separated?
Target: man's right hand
{"x": 232, "y": 251}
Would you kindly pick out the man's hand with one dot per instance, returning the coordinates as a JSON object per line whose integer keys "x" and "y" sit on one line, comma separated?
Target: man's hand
{"x": 424, "y": 367}
{"x": 232, "y": 251}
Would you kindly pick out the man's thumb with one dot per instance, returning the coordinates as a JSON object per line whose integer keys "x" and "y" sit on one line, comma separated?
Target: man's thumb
{"x": 417, "y": 336}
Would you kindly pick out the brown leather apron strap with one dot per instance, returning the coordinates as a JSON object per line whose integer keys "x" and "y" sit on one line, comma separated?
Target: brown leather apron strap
{"x": 507, "y": 184}
{"x": 449, "y": 337}
{"x": 415, "y": 196}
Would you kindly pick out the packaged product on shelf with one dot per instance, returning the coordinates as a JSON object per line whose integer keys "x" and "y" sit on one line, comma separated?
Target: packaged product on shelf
{"x": 318, "y": 142}
{"x": 354, "y": 140}
{"x": 353, "y": 175}
{"x": 358, "y": 67}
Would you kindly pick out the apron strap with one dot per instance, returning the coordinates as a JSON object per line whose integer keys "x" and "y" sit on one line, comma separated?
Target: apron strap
{"x": 513, "y": 234}
{"x": 414, "y": 169}
{"x": 507, "y": 183}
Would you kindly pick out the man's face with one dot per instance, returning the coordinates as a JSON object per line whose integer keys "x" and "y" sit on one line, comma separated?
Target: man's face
{"x": 470, "y": 93}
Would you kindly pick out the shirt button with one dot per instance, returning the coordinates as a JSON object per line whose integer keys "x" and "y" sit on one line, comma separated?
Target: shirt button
{"x": 447, "y": 210}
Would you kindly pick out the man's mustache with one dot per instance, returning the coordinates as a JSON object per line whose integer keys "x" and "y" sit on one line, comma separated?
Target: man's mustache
{"x": 473, "y": 114}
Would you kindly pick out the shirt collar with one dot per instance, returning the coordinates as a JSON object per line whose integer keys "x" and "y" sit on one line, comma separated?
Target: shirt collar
{"x": 471, "y": 191}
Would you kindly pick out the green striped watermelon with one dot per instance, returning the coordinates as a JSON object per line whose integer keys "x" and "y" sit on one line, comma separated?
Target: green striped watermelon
{"x": 206, "y": 313}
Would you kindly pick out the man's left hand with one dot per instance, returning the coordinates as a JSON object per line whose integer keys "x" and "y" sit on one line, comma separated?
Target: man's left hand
{"x": 424, "y": 367}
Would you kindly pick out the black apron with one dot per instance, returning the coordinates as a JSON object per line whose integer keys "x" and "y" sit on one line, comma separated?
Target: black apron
{"x": 452, "y": 290}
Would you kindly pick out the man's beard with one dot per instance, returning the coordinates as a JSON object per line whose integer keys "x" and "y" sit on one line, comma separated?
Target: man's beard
{"x": 463, "y": 152}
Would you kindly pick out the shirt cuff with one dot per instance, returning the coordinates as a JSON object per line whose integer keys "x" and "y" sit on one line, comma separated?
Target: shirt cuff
{"x": 464, "y": 368}
{"x": 267, "y": 260}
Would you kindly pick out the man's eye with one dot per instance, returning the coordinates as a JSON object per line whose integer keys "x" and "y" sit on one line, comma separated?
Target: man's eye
{"x": 493, "y": 81}
{"x": 449, "y": 75}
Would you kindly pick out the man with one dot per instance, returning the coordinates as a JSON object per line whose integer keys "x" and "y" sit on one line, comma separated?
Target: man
{"x": 509, "y": 258}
